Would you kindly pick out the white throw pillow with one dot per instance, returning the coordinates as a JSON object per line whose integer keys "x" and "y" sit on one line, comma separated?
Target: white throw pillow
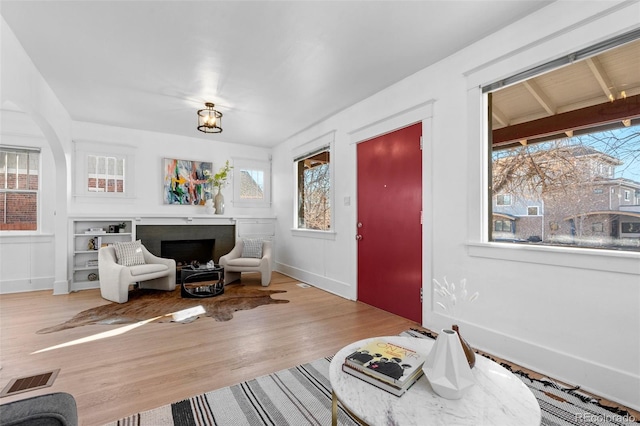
{"x": 129, "y": 253}
{"x": 252, "y": 248}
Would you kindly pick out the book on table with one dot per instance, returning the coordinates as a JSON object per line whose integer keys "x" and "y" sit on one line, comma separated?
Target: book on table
{"x": 386, "y": 361}
{"x": 383, "y": 384}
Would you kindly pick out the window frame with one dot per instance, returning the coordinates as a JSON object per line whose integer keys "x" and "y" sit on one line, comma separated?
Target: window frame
{"x": 251, "y": 164}
{"x": 595, "y": 167}
{"x": 37, "y": 192}
{"x": 313, "y": 147}
{"x": 84, "y": 149}
{"x": 479, "y": 153}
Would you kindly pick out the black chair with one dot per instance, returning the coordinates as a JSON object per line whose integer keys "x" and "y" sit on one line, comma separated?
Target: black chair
{"x": 54, "y": 409}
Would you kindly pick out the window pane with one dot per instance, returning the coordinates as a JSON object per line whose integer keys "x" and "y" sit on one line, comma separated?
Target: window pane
{"x": 587, "y": 185}
{"x": 314, "y": 186}
{"x": 105, "y": 174}
{"x": 18, "y": 189}
{"x": 251, "y": 184}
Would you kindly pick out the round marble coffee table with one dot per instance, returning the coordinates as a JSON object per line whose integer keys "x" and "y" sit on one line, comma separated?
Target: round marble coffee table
{"x": 497, "y": 398}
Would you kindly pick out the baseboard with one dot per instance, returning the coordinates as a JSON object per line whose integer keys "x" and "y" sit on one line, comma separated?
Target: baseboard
{"x": 85, "y": 286}
{"x": 26, "y": 285}
{"x": 60, "y": 287}
{"x": 338, "y": 288}
{"x": 619, "y": 386}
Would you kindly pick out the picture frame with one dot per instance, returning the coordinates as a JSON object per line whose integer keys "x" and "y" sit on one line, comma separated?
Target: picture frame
{"x": 185, "y": 182}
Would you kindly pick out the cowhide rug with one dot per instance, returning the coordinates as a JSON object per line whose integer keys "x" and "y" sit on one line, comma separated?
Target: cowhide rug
{"x": 145, "y": 304}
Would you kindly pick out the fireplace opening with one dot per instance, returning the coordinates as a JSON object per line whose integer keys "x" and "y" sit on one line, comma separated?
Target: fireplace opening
{"x": 188, "y": 252}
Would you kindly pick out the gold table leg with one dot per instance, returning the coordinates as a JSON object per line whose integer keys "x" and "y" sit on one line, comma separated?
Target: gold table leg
{"x": 334, "y": 409}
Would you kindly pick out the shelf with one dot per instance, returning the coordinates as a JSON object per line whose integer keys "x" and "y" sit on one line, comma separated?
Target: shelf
{"x": 79, "y": 241}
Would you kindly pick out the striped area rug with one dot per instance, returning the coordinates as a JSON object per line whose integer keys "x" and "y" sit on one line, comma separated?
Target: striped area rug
{"x": 302, "y": 396}
{"x": 296, "y": 396}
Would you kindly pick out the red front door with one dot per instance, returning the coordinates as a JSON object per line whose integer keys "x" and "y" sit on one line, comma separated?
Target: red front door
{"x": 389, "y": 228}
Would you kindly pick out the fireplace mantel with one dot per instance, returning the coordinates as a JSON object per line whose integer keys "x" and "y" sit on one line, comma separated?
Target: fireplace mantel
{"x": 196, "y": 219}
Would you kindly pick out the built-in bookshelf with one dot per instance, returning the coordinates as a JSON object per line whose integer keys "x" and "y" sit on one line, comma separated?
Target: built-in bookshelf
{"x": 88, "y": 235}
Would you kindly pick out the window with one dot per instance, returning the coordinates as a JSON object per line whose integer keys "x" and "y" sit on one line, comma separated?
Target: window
{"x": 630, "y": 228}
{"x": 502, "y": 226}
{"x": 313, "y": 174}
{"x": 103, "y": 170}
{"x": 251, "y": 182}
{"x": 561, "y": 150}
{"x": 19, "y": 185}
{"x": 105, "y": 174}
{"x": 503, "y": 199}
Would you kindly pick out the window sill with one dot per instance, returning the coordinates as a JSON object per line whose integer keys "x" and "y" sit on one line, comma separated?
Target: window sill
{"x": 311, "y": 233}
{"x": 581, "y": 258}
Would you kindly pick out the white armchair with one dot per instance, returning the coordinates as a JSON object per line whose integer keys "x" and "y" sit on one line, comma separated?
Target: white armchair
{"x": 156, "y": 273}
{"x": 234, "y": 264}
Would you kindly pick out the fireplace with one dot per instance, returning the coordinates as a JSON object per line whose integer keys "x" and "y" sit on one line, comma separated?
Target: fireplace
{"x": 186, "y": 252}
{"x": 186, "y": 243}
{"x": 154, "y": 236}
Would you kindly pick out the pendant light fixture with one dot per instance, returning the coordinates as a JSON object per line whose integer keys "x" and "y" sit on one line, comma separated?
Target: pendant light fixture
{"x": 209, "y": 119}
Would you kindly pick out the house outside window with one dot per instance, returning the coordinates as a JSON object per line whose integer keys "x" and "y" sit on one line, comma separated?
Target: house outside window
{"x": 313, "y": 175}
{"x": 251, "y": 183}
{"x": 105, "y": 174}
{"x": 532, "y": 211}
{"x": 103, "y": 170}
{"x": 543, "y": 153}
{"x": 19, "y": 188}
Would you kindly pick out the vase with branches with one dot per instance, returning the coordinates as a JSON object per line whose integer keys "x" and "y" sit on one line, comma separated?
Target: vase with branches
{"x": 219, "y": 181}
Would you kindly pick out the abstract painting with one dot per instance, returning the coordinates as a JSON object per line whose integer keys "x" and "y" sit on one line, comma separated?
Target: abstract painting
{"x": 185, "y": 181}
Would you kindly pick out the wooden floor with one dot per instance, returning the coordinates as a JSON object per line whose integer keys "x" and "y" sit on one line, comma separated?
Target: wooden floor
{"x": 157, "y": 364}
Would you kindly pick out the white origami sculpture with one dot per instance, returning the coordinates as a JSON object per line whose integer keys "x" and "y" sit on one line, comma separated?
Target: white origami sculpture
{"x": 447, "y": 368}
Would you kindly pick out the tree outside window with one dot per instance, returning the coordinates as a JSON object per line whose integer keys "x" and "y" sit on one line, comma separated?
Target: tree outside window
{"x": 314, "y": 188}
{"x": 571, "y": 178}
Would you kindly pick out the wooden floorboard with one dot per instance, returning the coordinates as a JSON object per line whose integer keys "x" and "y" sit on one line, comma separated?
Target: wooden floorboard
{"x": 157, "y": 364}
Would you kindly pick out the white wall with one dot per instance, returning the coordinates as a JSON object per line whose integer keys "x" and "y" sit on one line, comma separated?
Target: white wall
{"x": 23, "y": 88}
{"x": 150, "y": 149}
{"x": 25, "y": 260}
{"x": 571, "y": 313}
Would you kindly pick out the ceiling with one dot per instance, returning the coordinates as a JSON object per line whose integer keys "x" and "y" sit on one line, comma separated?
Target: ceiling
{"x": 273, "y": 68}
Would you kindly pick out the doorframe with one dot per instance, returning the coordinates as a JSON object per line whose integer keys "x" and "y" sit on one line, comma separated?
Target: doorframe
{"x": 422, "y": 112}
